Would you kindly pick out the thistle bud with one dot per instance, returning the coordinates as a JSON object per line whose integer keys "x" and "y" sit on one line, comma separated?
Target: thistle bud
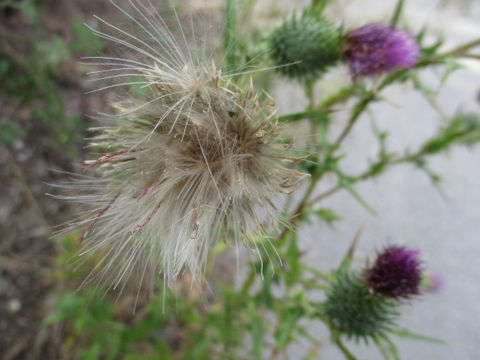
{"x": 353, "y": 311}
{"x": 396, "y": 273}
{"x": 305, "y": 47}
{"x": 377, "y": 48}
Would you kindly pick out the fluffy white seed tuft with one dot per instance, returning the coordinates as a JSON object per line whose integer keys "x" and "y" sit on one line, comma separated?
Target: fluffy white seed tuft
{"x": 197, "y": 160}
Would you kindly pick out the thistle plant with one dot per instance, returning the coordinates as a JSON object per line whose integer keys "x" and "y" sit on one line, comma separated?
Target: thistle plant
{"x": 365, "y": 305}
{"x": 201, "y": 158}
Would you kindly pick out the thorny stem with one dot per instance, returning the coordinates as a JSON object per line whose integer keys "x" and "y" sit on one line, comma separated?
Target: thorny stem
{"x": 311, "y": 105}
{"x": 324, "y": 195}
{"x": 298, "y": 211}
{"x": 317, "y": 273}
{"x": 460, "y": 50}
{"x": 370, "y": 172}
{"x": 341, "y": 96}
{"x": 357, "y": 111}
{"x": 247, "y": 284}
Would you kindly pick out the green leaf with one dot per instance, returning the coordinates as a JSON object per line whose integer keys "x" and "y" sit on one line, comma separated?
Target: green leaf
{"x": 86, "y": 40}
{"x": 347, "y": 185}
{"x": 50, "y": 54}
{"x": 393, "y": 348}
{"x": 422, "y": 87}
{"x": 256, "y": 330}
{"x": 347, "y": 353}
{"x": 292, "y": 256}
{"x": 318, "y": 6}
{"x": 433, "y": 49}
{"x": 464, "y": 128}
{"x": 327, "y": 215}
{"x": 10, "y": 131}
{"x": 405, "y": 333}
{"x": 230, "y": 43}
{"x": 286, "y": 330}
{"x": 397, "y": 13}
{"x": 451, "y": 66}
{"x": 383, "y": 349}
{"x": 348, "y": 258}
{"x": 320, "y": 116}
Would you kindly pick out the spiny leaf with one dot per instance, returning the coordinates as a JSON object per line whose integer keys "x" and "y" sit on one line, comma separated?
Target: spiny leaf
{"x": 405, "y": 333}
{"x": 344, "y": 183}
{"x": 397, "y": 13}
{"x": 347, "y": 259}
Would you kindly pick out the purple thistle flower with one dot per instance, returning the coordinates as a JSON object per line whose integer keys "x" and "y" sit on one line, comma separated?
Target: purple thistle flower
{"x": 396, "y": 273}
{"x": 377, "y": 48}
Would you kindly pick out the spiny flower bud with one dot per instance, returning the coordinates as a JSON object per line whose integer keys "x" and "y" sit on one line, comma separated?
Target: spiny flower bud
{"x": 305, "y": 47}
{"x": 378, "y": 48}
{"x": 196, "y": 161}
{"x": 396, "y": 273}
{"x": 353, "y": 311}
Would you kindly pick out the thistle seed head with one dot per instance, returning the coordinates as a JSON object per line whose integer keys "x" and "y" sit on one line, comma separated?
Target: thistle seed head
{"x": 198, "y": 159}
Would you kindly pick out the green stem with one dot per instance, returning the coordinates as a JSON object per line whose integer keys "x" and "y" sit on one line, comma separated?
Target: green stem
{"x": 460, "y": 50}
{"x": 229, "y": 36}
{"x": 313, "y": 122}
{"x": 357, "y": 111}
{"x": 348, "y": 355}
{"x": 248, "y": 282}
{"x": 340, "y": 97}
{"x": 246, "y": 14}
{"x": 319, "y": 6}
{"x": 324, "y": 108}
{"x": 297, "y": 213}
{"x": 317, "y": 272}
{"x": 302, "y": 115}
{"x": 371, "y": 172}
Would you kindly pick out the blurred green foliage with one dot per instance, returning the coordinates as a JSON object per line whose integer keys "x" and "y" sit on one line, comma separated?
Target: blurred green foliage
{"x": 86, "y": 41}
{"x": 35, "y": 79}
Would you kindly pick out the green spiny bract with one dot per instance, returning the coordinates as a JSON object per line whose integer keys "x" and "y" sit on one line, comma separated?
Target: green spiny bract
{"x": 304, "y": 47}
{"x": 353, "y": 311}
